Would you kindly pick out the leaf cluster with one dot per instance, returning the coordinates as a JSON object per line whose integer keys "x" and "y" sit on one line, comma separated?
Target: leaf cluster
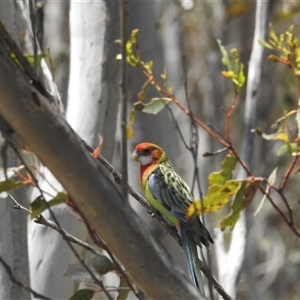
{"x": 288, "y": 47}
{"x": 235, "y": 69}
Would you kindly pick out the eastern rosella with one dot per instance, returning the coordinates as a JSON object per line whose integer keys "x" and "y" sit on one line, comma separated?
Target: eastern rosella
{"x": 168, "y": 193}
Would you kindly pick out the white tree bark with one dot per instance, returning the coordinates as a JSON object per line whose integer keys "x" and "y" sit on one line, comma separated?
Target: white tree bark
{"x": 92, "y": 110}
{"x": 230, "y": 262}
{"x": 13, "y": 223}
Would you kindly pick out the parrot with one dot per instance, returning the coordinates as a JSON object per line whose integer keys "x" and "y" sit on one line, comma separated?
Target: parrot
{"x": 170, "y": 195}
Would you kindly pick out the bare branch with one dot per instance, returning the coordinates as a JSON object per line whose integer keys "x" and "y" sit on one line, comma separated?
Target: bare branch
{"x": 18, "y": 205}
{"x": 41, "y": 220}
{"x": 214, "y": 281}
{"x": 99, "y": 282}
{"x": 123, "y": 85}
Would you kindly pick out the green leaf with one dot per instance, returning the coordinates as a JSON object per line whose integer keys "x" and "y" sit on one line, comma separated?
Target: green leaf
{"x": 236, "y": 209}
{"x": 217, "y": 196}
{"x": 156, "y": 105}
{"x": 131, "y": 57}
{"x": 225, "y": 60}
{"x": 165, "y": 81}
{"x": 9, "y": 184}
{"x": 39, "y": 205}
{"x": 84, "y": 294}
{"x": 39, "y": 57}
{"x": 241, "y": 76}
{"x": 129, "y": 129}
{"x": 103, "y": 264}
{"x": 228, "y": 165}
{"x": 279, "y": 135}
{"x": 235, "y": 72}
{"x": 265, "y": 44}
{"x": 220, "y": 189}
{"x": 123, "y": 293}
{"x": 152, "y": 107}
{"x": 148, "y": 65}
{"x": 242, "y": 199}
{"x": 228, "y": 74}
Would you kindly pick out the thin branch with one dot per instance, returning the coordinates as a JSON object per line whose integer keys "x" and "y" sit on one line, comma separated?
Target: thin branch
{"x": 229, "y": 115}
{"x": 206, "y": 271}
{"x": 32, "y": 14}
{"x": 123, "y": 85}
{"x": 162, "y": 90}
{"x": 100, "y": 283}
{"x": 193, "y": 148}
{"x": 41, "y": 220}
{"x": 288, "y": 173}
{"x": 66, "y": 236}
{"x": 17, "y": 205}
{"x": 280, "y": 212}
{"x": 25, "y": 287}
{"x": 98, "y": 241}
{"x": 122, "y": 273}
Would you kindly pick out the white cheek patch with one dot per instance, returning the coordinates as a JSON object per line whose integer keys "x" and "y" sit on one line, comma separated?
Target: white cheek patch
{"x": 145, "y": 160}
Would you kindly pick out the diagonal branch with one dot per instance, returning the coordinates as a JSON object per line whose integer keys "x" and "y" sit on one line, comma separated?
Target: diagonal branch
{"x": 58, "y": 147}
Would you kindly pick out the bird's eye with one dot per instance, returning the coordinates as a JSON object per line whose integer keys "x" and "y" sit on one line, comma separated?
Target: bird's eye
{"x": 146, "y": 151}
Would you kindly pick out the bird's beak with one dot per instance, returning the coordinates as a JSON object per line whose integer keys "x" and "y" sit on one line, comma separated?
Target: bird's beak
{"x": 136, "y": 155}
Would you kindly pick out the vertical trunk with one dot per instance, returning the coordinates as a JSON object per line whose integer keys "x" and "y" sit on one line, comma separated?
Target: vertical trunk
{"x": 13, "y": 223}
{"x": 91, "y": 110}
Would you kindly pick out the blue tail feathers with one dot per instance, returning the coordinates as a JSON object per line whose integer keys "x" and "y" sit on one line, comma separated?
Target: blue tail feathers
{"x": 190, "y": 249}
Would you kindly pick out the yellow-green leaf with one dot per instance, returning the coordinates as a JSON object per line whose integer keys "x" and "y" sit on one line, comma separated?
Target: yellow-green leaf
{"x": 9, "y": 184}
{"x": 220, "y": 189}
{"x": 242, "y": 199}
{"x": 225, "y": 60}
{"x": 84, "y": 294}
{"x": 228, "y": 165}
{"x": 132, "y": 58}
{"x": 241, "y": 76}
{"x": 39, "y": 205}
{"x": 148, "y": 65}
{"x": 265, "y": 44}
{"x": 228, "y": 74}
{"x": 281, "y": 136}
{"x": 129, "y": 132}
{"x": 124, "y": 289}
{"x": 236, "y": 209}
{"x": 217, "y": 197}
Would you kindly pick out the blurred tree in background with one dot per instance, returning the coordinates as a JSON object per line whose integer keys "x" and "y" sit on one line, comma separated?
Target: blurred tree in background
{"x": 79, "y": 43}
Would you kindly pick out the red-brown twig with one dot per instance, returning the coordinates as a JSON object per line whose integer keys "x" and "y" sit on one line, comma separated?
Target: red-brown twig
{"x": 229, "y": 115}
